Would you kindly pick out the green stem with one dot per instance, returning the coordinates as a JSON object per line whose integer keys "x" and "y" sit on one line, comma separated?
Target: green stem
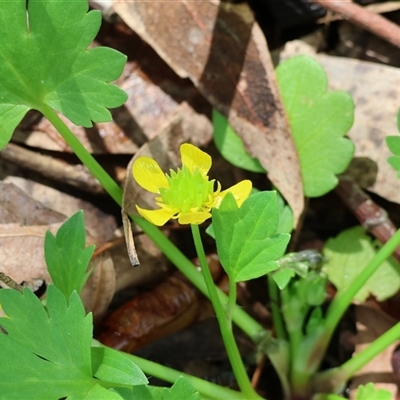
{"x": 225, "y": 326}
{"x": 335, "y": 379}
{"x": 342, "y": 300}
{"x": 277, "y": 319}
{"x": 243, "y": 320}
{"x": 109, "y": 185}
{"x": 251, "y": 327}
{"x": 171, "y": 375}
{"x": 231, "y": 301}
{"x": 293, "y": 315}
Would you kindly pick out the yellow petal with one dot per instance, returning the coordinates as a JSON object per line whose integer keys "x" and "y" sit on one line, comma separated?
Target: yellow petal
{"x": 193, "y": 218}
{"x": 241, "y": 191}
{"x": 156, "y": 217}
{"x": 149, "y": 175}
{"x": 193, "y": 157}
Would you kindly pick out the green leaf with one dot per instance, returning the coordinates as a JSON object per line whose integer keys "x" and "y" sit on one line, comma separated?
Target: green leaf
{"x": 112, "y": 366}
{"x": 286, "y": 219}
{"x": 348, "y": 254}
{"x": 181, "y": 389}
{"x": 247, "y": 244}
{"x": 44, "y": 62}
{"x": 66, "y": 257}
{"x": 393, "y": 142}
{"x": 283, "y": 276}
{"x": 368, "y": 392}
{"x": 315, "y": 320}
{"x": 46, "y": 353}
{"x": 230, "y": 145}
{"x": 285, "y": 222}
{"x": 318, "y": 121}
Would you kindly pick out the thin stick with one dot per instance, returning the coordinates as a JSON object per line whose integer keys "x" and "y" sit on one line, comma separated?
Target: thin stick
{"x": 372, "y": 217}
{"x": 361, "y": 16}
{"x": 130, "y": 244}
{"x": 10, "y": 282}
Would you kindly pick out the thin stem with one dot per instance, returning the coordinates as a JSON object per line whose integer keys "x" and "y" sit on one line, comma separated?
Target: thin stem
{"x": 225, "y": 327}
{"x": 243, "y": 320}
{"x": 231, "y": 300}
{"x": 277, "y": 319}
{"x": 109, "y": 185}
{"x": 251, "y": 327}
{"x": 334, "y": 380}
{"x": 171, "y": 375}
{"x": 342, "y": 300}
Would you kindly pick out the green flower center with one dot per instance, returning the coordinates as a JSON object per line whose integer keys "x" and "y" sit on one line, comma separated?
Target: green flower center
{"x": 188, "y": 192}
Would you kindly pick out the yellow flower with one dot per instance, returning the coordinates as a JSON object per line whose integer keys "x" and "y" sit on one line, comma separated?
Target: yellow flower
{"x": 186, "y": 194}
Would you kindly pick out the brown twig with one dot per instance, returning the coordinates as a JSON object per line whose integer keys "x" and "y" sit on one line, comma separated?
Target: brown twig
{"x": 363, "y": 17}
{"x": 51, "y": 168}
{"x": 10, "y": 282}
{"x": 372, "y": 217}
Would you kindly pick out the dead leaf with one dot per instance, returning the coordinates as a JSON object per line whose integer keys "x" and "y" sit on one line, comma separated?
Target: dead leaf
{"x": 222, "y": 50}
{"x": 371, "y": 323}
{"x": 100, "y": 287}
{"x": 376, "y": 94}
{"x": 100, "y": 225}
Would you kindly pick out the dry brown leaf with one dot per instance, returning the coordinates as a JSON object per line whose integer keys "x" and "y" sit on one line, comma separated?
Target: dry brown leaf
{"x": 371, "y": 323}
{"x": 98, "y": 224}
{"x": 100, "y": 287}
{"x": 223, "y": 51}
{"x": 376, "y": 92}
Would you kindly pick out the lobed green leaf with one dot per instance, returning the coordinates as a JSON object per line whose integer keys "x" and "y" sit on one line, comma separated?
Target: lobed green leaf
{"x": 246, "y": 238}
{"x": 369, "y": 392}
{"x": 44, "y": 62}
{"x": 318, "y": 120}
{"x": 46, "y": 353}
{"x": 348, "y": 254}
{"x": 66, "y": 257}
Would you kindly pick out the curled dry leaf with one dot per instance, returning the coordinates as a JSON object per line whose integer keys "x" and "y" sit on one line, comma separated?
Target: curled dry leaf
{"x": 222, "y": 50}
{"x": 170, "y": 307}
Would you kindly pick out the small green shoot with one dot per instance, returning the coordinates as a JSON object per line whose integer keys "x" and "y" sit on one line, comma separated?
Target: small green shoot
{"x": 347, "y": 255}
{"x": 247, "y": 243}
{"x": 45, "y": 64}
{"x": 66, "y": 252}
